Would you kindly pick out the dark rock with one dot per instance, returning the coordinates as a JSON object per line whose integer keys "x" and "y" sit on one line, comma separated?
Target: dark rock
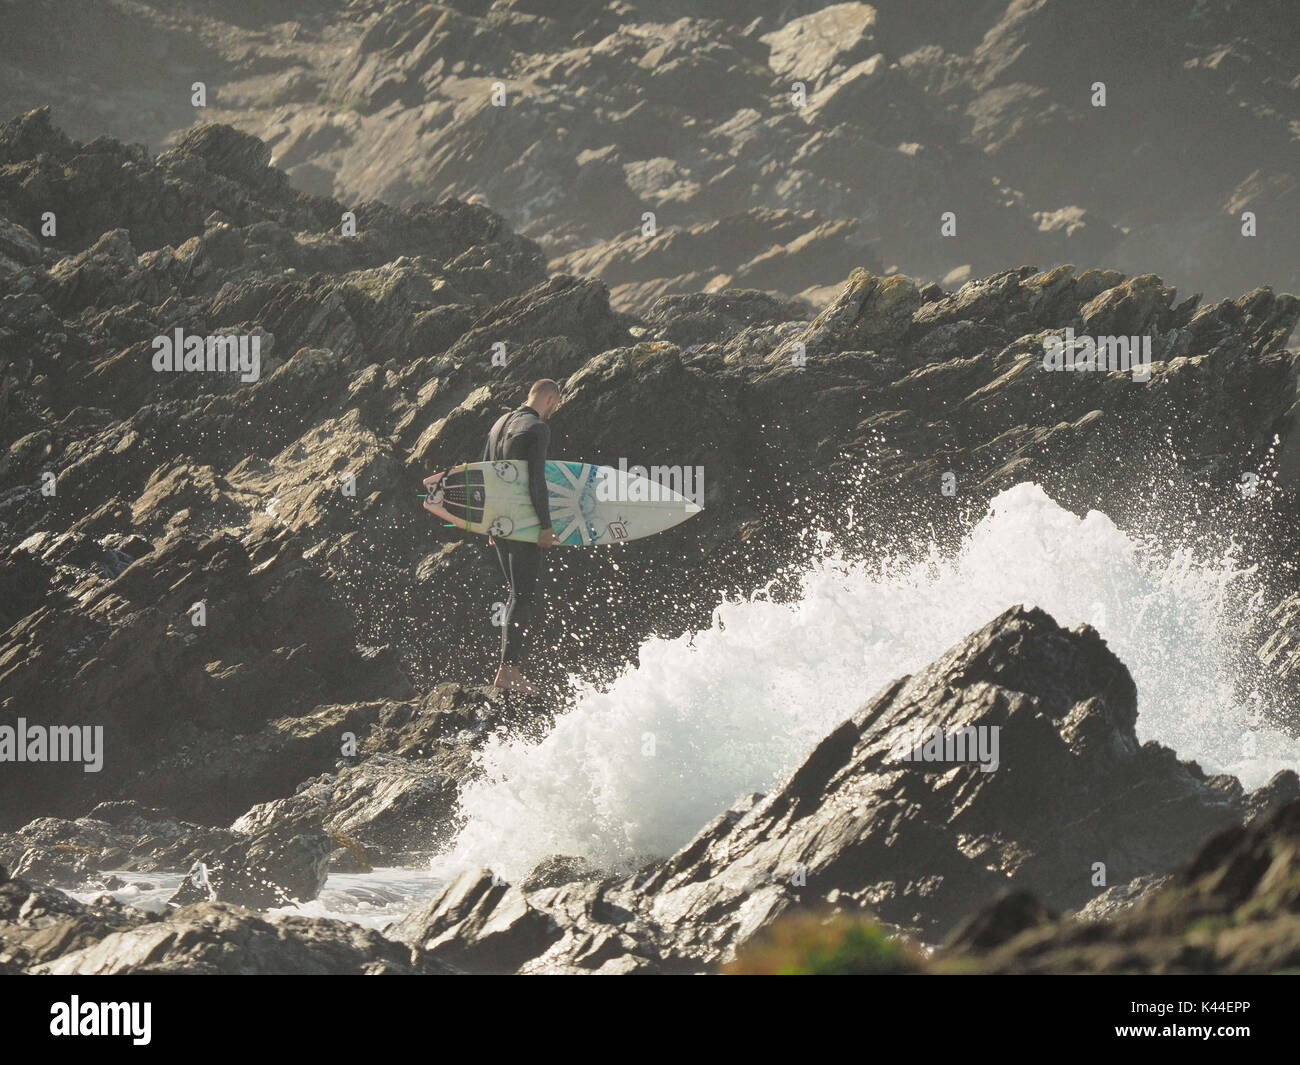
{"x": 1001, "y": 920}
{"x": 38, "y": 924}
{"x": 557, "y": 869}
{"x": 221, "y": 938}
{"x": 867, "y": 822}
{"x": 273, "y": 868}
{"x": 114, "y": 835}
{"x": 1230, "y": 909}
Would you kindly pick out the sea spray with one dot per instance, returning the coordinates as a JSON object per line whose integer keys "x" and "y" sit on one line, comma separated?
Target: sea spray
{"x": 636, "y": 770}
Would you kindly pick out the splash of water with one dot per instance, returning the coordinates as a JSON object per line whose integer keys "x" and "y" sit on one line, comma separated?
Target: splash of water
{"x": 636, "y": 770}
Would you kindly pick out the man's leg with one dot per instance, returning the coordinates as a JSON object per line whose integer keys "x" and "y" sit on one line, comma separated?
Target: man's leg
{"x": 521, "y": 565}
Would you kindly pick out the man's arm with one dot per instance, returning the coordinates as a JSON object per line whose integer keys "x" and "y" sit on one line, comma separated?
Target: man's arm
{"x": 538, "y": 440}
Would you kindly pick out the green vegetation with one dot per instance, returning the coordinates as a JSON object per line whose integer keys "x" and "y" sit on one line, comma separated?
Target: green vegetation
{"x": 809, "y": 944}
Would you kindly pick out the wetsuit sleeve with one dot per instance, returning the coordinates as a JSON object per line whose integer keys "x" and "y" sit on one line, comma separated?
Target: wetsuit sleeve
{"x": 538, "y": 440}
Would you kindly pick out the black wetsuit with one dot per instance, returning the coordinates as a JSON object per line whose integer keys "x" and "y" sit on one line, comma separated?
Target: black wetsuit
{"x": 521, "y": 434}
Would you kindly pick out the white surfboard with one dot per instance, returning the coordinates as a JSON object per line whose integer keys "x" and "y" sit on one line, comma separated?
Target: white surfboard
{"x": 590, "y": 505}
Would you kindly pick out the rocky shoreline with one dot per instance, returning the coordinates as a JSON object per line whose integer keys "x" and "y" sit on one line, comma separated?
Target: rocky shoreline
{"x": 854, "y": 831}
{"x": 319, "y": 719}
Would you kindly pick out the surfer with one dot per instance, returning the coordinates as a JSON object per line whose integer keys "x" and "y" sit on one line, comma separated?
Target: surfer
{"x": 523, "y": 434}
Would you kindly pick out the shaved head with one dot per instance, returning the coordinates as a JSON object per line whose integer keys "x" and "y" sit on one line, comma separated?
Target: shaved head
{"x": 544, "y": 397}
{"x": 544, "y": 387}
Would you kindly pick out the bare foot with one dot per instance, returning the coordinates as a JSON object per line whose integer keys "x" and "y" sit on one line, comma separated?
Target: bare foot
{"x": 511, "y": 680}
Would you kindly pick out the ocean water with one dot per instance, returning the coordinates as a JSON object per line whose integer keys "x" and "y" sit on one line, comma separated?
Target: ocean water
{"x": 369, "y": 899}
{"x": 634, "y": 771}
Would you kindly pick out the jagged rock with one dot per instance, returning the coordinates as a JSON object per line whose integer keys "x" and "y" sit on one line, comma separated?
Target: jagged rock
{"x": 705, "y": 317}
{"x": 218, "y": 937}
{"x": 913, "y": 109}
{"x": 811, "y": 47}
{"x": 430, "y": 290}
{"x": 38, "y": 924}
{"x": 759, "y": 248}
{"x": 224, "y": 672}
{"x": 392, "y": 810}
{"x": 556, "y": 870}
{"x": 114, "y": 835}
{"x": 479, "y": 925}
{"x": 1117, "y": 899}
{"x": 44, "y": 931}
{"x": 1230, "y": 909}
{"x": 867, "y": 823}
{"x": 275, "y": 867}
{"x": 869, "y": 312}
{"x": 327, "y": 610}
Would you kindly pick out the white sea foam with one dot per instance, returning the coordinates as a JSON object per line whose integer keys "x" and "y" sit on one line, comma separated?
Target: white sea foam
{"x": 636, "y": 770}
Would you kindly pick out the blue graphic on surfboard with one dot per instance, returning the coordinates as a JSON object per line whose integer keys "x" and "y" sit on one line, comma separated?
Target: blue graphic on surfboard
{"x": 491, "y": 498}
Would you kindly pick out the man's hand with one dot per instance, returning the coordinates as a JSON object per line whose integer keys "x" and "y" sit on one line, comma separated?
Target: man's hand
{"x": 546, "y": 538}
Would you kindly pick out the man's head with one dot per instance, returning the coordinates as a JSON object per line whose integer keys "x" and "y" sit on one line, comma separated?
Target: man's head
{"x": 544, "y": 397}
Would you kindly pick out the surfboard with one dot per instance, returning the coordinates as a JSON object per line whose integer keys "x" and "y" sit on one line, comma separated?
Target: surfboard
{"x": 590, "y": 505}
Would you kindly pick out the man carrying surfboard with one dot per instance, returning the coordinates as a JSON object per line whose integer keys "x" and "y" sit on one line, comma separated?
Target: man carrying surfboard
{"x": 523, "y": 434}
{"x": 523, "y": 502}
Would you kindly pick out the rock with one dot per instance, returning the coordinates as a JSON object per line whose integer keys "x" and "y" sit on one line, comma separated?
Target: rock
{"x": 867, "y": 823}
{"x": 705, "y": 317}
{"x": 1230, "y": 909}
{"x": 44, "y": 931}
{"x": 1004, "y": 918}
{"x": 869, "y": 312}
{"x": 273, "y": 868}
{"x": 121, "y": 835}
{"x": 758, "y": 248}
{"x": 912, "y": 110}
{"x": 221, "y": 938}
{"x": 38, "y": 925}
{"x": 328, "y": 699}
{"x": 811, "y": 47}
{"x": 396, "y": 810}
{"x": 557, "y": 869}
{"x": 478, "y": 925}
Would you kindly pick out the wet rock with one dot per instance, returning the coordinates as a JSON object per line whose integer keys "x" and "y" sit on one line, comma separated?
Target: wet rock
{"x": 39, "y": 924}
{"x": 275, "y": 867}
{"x": 219, "y": 937}
{"x": 557, "y": 869}
{"x": 120, "y": 835}
{"x": 888, "y": 814}
{"x": 480, "y": 925}
{"x": 388, "y": 809}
